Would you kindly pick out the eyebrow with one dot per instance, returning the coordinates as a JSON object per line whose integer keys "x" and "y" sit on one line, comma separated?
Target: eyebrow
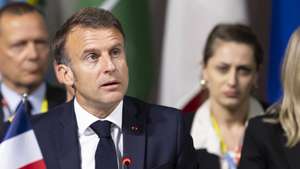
{"x": 229, "y": 63}
{"x": 117, "y": 45}
{"x": 248, "y": 66}
{"x": 95, "y": 50}
{"x": 90, "y": 50}
{"x": 245, "y": 67}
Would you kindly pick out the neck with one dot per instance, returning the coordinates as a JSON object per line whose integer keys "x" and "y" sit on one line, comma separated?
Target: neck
{"x": 230, "y": 117}
{"x": 20, "y": 89}
{"x": 100, "y": 110}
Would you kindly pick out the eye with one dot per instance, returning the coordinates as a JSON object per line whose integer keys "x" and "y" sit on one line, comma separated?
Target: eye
{"x": 19, "y": 46}
{"x": 245, "y": 71}
{"x": 115, "y": 52}
{"x": 41, "y": 43}
{"x": 222, "y": 68}
{"x": 92, "y": 57}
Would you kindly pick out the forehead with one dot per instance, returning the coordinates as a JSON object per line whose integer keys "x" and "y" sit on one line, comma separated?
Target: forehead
{"x": 91, "y": 35}
{"x": 28, "y": 24}
{"x": 233, "y": 53}
{"x": 82, "y": 38}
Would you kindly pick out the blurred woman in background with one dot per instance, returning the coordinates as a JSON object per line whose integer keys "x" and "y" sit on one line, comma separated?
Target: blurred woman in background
{"x": 272, "y": 141}
{"x": 231, "y": 61}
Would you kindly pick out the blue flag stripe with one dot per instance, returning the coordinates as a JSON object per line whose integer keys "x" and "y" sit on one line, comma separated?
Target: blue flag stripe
{"x": 2, "y": 2}
{"x": 20, "y": 124}
{"x": 285, "y": 19}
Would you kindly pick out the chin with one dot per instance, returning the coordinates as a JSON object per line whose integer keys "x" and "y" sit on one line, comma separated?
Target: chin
{"x": 33, "y": 79}
{"x": 114, "y": 97}
{"x": 232, "y": 104}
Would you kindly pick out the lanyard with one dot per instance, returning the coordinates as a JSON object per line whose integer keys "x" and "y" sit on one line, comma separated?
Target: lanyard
{"x": 6, "y": 109}
{"x": 44, "y": 107}
{"x": 232, "y": 157}
{"x": 217, "y": 129}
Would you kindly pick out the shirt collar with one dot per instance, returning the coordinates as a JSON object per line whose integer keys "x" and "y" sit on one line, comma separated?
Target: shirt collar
{"x": 85, "y": 119}
{"x": 13, "y": 98}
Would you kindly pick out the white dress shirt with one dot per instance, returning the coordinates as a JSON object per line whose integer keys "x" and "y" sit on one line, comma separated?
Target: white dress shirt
{"x": 13, "y": 98}
{"x": 88, "y": 139}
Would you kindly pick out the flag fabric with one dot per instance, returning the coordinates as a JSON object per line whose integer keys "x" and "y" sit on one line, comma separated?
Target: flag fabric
{"x": 32, "y": 2}
{"x": 19, "y": 148}
{"x": 135, "y": 19}
{"x": 195, "y": 102}
{"x": 188, "y": 24}
{"x": 3, "y": 2}
{"x": 285, "y": 19}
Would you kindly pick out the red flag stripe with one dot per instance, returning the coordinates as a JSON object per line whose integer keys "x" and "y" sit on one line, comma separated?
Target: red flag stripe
{"x": 195, "y": 102}
{"x": 35, "y": 165}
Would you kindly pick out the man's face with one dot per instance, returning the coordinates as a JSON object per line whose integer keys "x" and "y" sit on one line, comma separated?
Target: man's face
{"x": 23, "y": 49}
{"x": 98, "y": 65}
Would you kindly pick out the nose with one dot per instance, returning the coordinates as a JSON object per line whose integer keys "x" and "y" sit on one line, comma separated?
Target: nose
{"x": 109, "y": 64}
{"x": 32, "y": 52}
{"x": 232, "y": 78}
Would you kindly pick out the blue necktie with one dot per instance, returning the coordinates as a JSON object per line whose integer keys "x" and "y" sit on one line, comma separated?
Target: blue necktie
{"x": 105, "y": 157}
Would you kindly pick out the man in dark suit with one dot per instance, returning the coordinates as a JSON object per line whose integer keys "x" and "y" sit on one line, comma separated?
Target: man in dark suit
{"x": 100, "y": 127}
{"x": 24, "y": 53}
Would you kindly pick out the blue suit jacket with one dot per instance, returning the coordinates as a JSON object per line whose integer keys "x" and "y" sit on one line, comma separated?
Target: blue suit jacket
{"x": 160, "y": 142}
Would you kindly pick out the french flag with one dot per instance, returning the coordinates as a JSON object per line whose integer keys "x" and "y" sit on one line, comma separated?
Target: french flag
{"x": 19, "y": 148}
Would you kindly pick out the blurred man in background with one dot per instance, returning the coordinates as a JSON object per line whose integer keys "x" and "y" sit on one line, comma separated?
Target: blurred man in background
{"x": 24, "y": 51}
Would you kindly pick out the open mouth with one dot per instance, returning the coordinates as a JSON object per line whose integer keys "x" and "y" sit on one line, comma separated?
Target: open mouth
{"x": 110, "y": 85}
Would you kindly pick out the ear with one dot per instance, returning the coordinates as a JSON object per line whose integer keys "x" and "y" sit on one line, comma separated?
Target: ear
{"x": 65, "y": 74}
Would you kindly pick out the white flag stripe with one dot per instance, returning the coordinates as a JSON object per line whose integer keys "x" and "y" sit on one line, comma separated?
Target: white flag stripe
{"x": 187, "y": 26}
{"x": 109, "y": 4}
{"x": 24, "y": 146}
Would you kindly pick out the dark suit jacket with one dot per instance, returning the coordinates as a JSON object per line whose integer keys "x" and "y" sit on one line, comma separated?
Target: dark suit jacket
{"x": 160, "y": 142}
{"x": 265, "y": 146}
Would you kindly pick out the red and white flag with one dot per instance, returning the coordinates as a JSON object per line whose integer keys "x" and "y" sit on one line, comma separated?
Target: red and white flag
{"x": 19, "y": 148}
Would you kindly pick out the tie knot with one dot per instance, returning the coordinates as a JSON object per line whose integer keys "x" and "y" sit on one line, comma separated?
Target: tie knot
{"x": 102, "y": 128}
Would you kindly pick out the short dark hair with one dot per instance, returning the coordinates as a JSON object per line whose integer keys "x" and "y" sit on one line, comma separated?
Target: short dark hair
{"x": 18, "y": 8}
{"x": 86, "y": 18}
{"x": 233, "y": 33}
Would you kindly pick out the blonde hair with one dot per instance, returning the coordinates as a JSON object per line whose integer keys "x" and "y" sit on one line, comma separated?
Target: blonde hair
{"x": 289, "y": 114}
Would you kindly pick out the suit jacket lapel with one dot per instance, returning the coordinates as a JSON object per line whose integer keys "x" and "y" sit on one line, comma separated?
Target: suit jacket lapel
{"x": 67, "y": 136}
{"x": 134, "y": 132}
{"x": 1, "y": 109}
